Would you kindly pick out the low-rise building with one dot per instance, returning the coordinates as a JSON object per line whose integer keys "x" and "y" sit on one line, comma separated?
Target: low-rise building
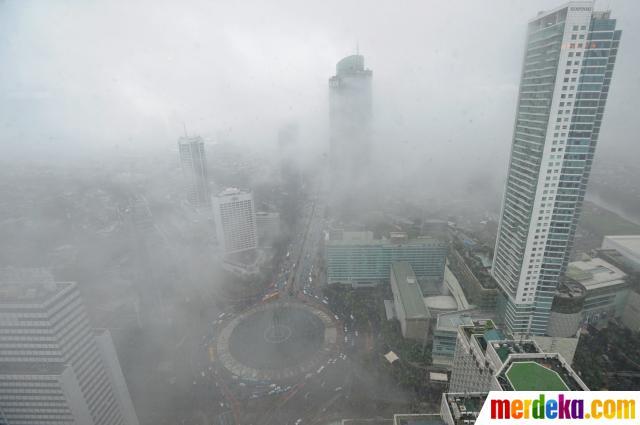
{"x": 606, "y": 288}
{"x": 357, "y": 259}
{"x": 629, "y": 248}
{"x": 473, "y": 275}
{"x": 445, "y": 333}
{"x": 408, "y": 303}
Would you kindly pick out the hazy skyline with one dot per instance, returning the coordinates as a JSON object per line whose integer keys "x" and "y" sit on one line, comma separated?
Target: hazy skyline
{"x": 79, "y": 77}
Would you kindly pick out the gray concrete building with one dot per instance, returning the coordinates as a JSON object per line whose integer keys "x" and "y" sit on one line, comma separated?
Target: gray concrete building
{"x": 357, "y": 259}
{"x": 54, "y": 368}
{"x": 408, "y": 302}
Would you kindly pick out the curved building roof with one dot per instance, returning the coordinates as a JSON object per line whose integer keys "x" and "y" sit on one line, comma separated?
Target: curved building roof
{"x": 350, "y": 65}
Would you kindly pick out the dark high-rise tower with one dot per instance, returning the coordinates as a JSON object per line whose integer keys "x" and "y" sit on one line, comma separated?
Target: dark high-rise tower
{"x": 194, "y": 167}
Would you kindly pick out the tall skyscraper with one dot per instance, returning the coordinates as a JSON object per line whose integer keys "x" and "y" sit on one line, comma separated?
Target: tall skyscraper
{"x": 194, "y": 168}
{"x": 54, "y": 368}
{"x": 568, "y": 63}
{"x": 235, "y": 219}
{"x": 350, "y": 122}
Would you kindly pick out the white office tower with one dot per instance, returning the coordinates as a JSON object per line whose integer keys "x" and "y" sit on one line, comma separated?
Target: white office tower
{"x": 55, "y": 369}
{"x": 235, "y": 220}
{"x": 568, "y": 63}
{"x": 194, "y": 168}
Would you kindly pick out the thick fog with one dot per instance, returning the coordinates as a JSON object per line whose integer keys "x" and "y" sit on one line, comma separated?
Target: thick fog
{"x": 94, "y": 96}
{"x": 86, "y": 77}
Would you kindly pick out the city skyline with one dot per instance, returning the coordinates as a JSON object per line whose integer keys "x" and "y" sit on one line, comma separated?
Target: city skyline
{"x": 323, "y": 247}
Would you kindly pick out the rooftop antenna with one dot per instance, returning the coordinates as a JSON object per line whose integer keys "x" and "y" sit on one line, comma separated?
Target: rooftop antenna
{"x": 357, "y": 47}
{"x": 185, "y": 129}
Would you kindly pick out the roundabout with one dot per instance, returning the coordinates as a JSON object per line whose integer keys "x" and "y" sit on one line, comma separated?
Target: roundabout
{"x": 276, "y": 341}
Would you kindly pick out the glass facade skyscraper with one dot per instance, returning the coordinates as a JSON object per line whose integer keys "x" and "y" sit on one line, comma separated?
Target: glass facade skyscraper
{"x": 568, "y": 63}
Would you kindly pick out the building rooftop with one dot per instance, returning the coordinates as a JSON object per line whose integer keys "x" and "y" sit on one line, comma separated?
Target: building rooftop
{"x": 628, "y": 242}
{"x": 366, "y": 238}
{"x": 538, "y": 372}
{"x": 190, "y": 139}
{"x": 488, "y": 335}
{"x": 267, "y": 214}
{"x": 613, "y": 256}
{"x": 27, "y": 285}
{"x": 441, "y": 302}
{"x": 230, "y": 191}
{"x": 595, "y": 273}
{"x": 506, "y": 347}
{"x": 418, "y": 419}
{"x": 352, "y": 64}
{"x": 478, "y": 327}
{"x": 464, "y": 407}
{"x": 409, "y": 291}
{"x": 532, "y": 376}
{"x": 452, "y": 321}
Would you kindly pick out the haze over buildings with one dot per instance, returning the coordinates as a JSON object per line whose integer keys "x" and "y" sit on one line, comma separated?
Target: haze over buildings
{"x": 360, "y": 261}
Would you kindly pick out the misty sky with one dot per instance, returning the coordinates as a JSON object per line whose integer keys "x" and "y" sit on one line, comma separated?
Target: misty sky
{"x": 83, "y": 76}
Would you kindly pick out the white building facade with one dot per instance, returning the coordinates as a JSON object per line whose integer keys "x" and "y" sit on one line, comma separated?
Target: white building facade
{"x": 235, "y": 219}
{"x": 568, "y": 64}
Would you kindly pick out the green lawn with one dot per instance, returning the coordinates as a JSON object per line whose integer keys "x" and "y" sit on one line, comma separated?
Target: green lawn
{"x": 530, "y": 376}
